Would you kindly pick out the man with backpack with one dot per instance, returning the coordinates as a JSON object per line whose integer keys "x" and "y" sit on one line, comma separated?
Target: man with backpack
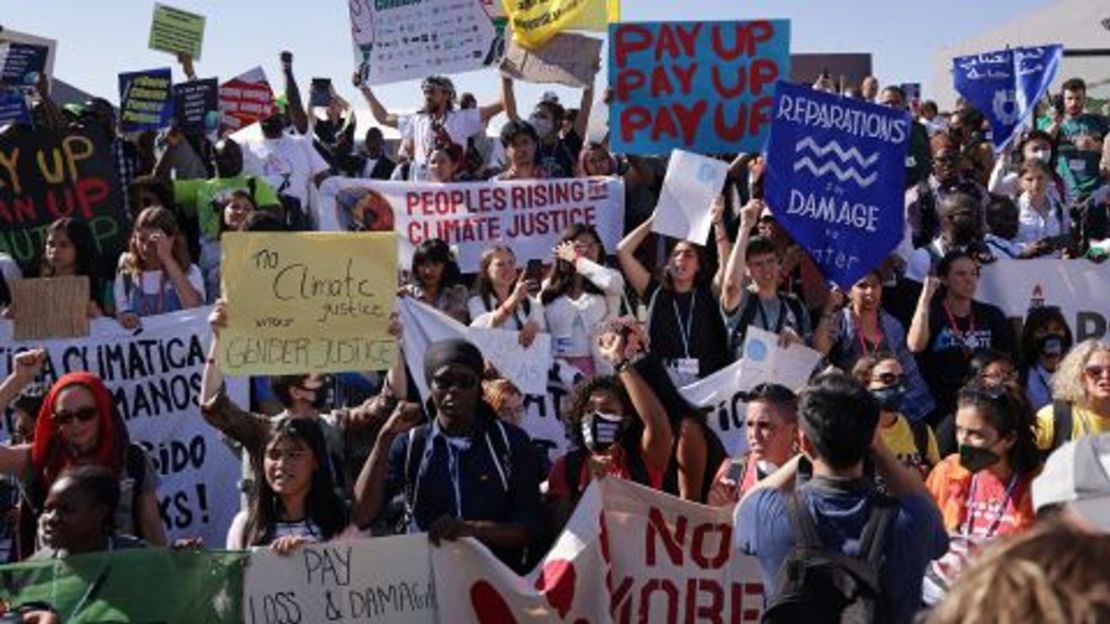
{"x": 832, "y": 548}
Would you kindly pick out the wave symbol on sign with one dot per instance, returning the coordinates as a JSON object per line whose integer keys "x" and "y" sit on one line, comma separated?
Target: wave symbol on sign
{"x": 846, "y": 156}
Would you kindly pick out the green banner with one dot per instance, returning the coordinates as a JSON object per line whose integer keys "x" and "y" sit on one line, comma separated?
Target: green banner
{"x": 142, "y": 585}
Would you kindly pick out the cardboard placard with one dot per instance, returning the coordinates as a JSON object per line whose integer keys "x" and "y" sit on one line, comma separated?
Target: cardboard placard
{"x": 570, "y": 59}
{"x": 50, "y": 307}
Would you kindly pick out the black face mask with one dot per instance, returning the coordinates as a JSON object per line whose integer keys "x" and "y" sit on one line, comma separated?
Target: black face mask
{"x": 1050, "y": 345}
{"x": 600, "y": 431}
{"x": 272, "y": 126}
{"x": 976, "y": 458}
{"x": 890, "y": 398}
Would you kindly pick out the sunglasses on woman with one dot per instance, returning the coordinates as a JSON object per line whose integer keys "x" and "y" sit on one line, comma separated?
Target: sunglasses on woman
{"x": 1095, "y": 372}
{"x": 85, "y": 414}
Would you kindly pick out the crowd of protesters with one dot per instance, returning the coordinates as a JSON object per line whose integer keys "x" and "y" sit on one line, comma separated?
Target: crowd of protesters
{"x": 921, "y": 439}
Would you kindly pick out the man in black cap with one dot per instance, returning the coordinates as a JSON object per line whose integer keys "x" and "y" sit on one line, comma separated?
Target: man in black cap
{"x": 464, "y": 474}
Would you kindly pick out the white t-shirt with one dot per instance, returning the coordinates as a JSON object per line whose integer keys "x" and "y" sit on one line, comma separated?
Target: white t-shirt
{"x": 459, "y": 124}
{"x": 149, "y": 283}
{"x": 289, "y": 164}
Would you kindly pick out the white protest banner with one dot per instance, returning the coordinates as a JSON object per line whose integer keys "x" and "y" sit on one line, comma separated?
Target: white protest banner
{"x": 1077, "y": 287}
{"x": 525, "y": 367}
{"x": 397, "y": 40}
{"x": 668, "y": 560}
{"x": 691, "y": 184}
{"x": 528, "y": 215}
{"x": 722, "y": 395}
{"x": 568, "y": 58}
{"x": 387, "y": 579}
{"x": 154, "y": 376}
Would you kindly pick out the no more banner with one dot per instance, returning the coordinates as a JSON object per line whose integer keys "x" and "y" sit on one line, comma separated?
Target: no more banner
{"x": 155, "y": 377}
{"x": 528, "y": 215}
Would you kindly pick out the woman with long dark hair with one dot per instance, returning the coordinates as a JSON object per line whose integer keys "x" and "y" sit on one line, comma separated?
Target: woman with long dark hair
{"x": 1045, "y": 340}
{"x": 296, "y": 501}
{"x": 435, "y": 279}
{"x": 70, "y": 250}
{"x": 579, "y": 296}
{"x": 983, "y": 491}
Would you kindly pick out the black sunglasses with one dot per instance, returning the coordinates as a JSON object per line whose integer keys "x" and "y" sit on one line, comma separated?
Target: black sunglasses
{"x": 84, "y": 414}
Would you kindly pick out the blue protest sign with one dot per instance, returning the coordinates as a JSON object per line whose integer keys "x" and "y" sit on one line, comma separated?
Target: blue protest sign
{"x": 21, "y": 63}
{"x": 13, "y": 107}
{"x": 145, "y": 100}
{"x": 834, "y": 178}
{"x": 1006, "y": 85}
{"x": 703, "y": 87}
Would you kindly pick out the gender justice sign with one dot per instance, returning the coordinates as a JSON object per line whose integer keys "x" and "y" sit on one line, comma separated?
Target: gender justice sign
{"x": 704, "y": 87}
{"x": 835, "y": 168}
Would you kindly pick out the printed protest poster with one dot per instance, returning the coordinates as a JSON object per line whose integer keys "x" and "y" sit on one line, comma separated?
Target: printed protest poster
{"x": 834, "y": 178}
{"x": 45, "y": 175}
{"x": 174, "y": 30}
{"x": 569, "y": 58}
{"x": 397, "y": 40}
{"x": 722, "y": 396}
{"x": 628, "y": 553}
{"x": 132, "y": 585}
{"x": 1006, "y": 85}
{"x": 529, "y": 215}
{"x": 21, "y": 64}
{"x": 692, "y": 183}
{"x": 705, "y": 87}
{"x": 146, "y": 100}
{"x": 155, "y": 377}
{"x": 1077, "y": 287}
{"x": 13, "y": 107}
{"x": 387, "y": 579}
{"x": 536, "y": 23}
{"x": 196, "y": 106}
{"x": 307, "y": 302}
{"x": 50, "y": 307}
{"x": 9, "y": 36}
{"x": 245, "y": 99}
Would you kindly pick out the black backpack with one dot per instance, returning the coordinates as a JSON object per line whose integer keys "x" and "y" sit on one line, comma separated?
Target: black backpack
{"x": 815, "y": 584}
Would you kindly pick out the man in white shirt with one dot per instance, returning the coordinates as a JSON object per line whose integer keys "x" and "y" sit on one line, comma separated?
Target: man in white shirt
{"x": 419, "y": 130}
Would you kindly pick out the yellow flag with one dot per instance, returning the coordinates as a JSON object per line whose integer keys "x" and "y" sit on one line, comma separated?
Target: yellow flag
{"x": 307, "y": 302}
{"x": 534, "y": 22}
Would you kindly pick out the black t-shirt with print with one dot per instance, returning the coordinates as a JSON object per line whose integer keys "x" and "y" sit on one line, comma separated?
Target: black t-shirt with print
{"x": 706, "y": 337}
{"x": 945, "y": 361}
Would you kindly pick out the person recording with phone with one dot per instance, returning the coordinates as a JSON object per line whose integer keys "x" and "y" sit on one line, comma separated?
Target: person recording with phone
{"x": 505, "y": 298}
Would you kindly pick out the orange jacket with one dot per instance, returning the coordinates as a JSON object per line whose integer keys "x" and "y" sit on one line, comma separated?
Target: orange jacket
{"x": 949, "y": 483}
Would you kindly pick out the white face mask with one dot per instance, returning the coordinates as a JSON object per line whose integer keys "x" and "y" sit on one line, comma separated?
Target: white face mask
{"x": 1042, "y": 155}
{"x": 543, "y": 126}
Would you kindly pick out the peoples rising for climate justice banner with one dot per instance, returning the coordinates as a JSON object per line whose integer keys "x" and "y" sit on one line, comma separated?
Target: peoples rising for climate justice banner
{"x": 154, "y": 376}
{"x": 703, "y": 87}
{"x": 528, "y": 215}
{"x": 45, "y": 175}
{"x": 834, "y": 178}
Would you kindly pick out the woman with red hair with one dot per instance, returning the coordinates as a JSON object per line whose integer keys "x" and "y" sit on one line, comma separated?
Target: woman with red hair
{"x": 78, "y": 424}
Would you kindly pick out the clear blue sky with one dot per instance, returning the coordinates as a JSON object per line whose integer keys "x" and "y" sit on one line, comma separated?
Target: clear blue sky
{"x": 100, "y": 38}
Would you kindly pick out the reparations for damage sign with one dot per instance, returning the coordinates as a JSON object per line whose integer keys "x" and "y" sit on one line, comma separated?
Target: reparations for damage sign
{"x": 703, "y": 87}
{"x": 835, "y": 168}
{"x": 470, "y": 216}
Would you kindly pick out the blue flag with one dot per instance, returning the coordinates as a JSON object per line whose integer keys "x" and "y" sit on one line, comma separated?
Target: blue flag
{"x": 1006, "y": 85}
{"x": 834, "y": 178}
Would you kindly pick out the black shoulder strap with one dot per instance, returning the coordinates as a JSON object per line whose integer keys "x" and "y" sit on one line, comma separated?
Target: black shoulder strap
{"x": 136, "y": 469}
{"x": 573, "y": 466}
{"x": 805, "y": 532}
{"x": 795, "y": 306}
{"x": 747, "y": 315}
{"x": 1062, "y": 423}
{"x": 251, "y": 184}
{"x": 418, "y": 437}
{"x": 875, "y": 532}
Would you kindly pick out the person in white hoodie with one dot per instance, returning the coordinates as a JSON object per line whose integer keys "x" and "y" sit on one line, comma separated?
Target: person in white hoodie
{"x": 579, "y": 297}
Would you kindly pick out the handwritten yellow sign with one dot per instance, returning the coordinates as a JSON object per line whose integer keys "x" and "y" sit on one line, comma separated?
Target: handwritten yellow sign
{"x": 307, "y": 302}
